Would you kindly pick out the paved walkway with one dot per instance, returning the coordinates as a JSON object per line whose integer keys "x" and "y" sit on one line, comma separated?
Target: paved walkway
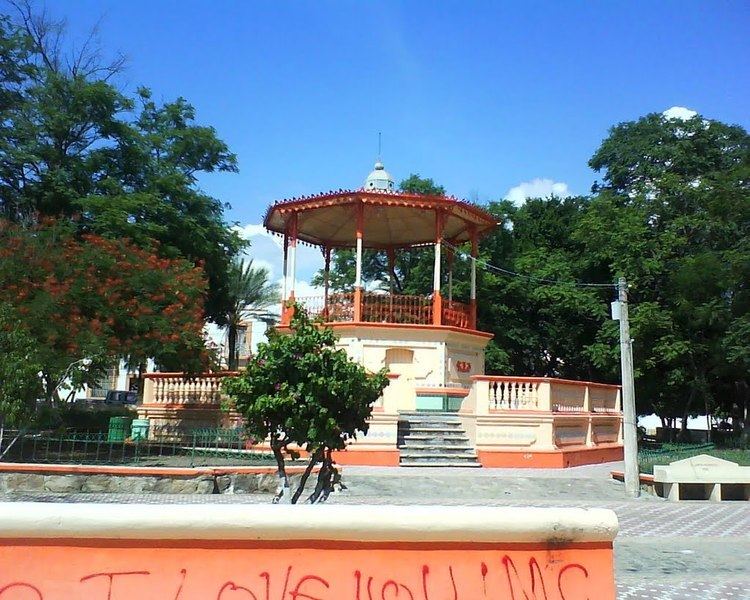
{"x": 665, "y": 550}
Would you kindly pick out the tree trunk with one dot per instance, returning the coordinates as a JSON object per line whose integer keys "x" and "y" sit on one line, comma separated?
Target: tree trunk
{"x": 283, "y": 488}
{"x": 141, "y": 370}
{"x": 315, "y": 458}
{"x": 745, "y": 416}
{"x": 327, "y": 478}
{"x": 685, "y": 413}
{"x": 232, "y": 357}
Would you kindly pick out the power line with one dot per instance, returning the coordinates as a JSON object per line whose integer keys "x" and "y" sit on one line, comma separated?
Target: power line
{"x": 507, "y": 272}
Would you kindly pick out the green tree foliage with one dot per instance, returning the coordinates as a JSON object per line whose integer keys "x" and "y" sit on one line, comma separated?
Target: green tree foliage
{"x": 672, "y": 214}
{"x": 251, "y": 295}
{"x": 87, "y": 300}
{"x": 300, "y": 390}
{"x": 540, "y": 328}
{"x": 20, "y": 385}
{"x": 76, "y": 147}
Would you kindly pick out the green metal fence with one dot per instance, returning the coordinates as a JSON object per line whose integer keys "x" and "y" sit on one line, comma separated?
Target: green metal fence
{"x": 198, "y": 447}
{"x": 673, "y": 450}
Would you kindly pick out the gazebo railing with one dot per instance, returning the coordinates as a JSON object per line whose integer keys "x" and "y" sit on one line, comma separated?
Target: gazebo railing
{"x": 386, "y": 308}
{"x": 396, "y": 308}
{"x": 456, "y": 314}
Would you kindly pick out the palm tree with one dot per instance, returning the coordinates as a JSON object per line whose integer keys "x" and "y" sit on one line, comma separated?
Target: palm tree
{"x": 251, "y": 294}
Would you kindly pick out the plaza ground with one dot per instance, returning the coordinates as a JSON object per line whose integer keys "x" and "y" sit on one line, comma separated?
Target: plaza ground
{"x": 664, "y": 551}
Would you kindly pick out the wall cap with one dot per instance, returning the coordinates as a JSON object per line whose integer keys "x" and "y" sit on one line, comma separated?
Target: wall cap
{"x": 39, "y": 520}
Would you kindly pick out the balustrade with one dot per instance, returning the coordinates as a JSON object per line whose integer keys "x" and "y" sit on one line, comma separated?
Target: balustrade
{"x": 456, "y": 314}
{"x": 514, "y": 395}
{"x": 175, "y": 388}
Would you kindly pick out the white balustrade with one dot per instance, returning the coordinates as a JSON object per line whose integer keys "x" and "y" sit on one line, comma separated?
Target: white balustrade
{"x": 163, "y": 388}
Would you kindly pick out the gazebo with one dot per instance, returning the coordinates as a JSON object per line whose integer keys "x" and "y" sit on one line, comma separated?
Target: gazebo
{"x": 376, "y": 217}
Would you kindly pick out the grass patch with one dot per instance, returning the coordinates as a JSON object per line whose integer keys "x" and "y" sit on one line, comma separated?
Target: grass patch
{"x": 669, "y": 453}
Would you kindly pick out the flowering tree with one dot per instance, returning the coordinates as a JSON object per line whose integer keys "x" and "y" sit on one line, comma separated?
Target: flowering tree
{"x": 300, "y": 390}
{"x": 87, "y": 301}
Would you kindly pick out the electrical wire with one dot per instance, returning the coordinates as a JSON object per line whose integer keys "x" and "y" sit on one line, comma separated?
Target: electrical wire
{"x": 493, "y": 268}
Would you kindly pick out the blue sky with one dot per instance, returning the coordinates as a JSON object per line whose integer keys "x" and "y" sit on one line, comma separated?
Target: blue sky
{"x": 482, "y": 96}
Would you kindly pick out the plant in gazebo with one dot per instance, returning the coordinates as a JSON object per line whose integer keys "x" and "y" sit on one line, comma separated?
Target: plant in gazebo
{"x": 302, "y": 393}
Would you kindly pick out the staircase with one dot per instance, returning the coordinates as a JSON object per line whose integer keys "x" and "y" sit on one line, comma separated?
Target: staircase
{"x": 434, "y": 439}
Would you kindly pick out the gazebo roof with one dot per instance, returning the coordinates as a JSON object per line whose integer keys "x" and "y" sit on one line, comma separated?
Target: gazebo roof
{"x": 391, "y": 219}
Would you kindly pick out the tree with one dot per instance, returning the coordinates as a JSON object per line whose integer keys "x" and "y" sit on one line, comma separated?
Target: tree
{"x": 75, "y": 147}
{"x": 672, "y": 214}
{"x": 88, "y": 297}
{"x": 299, "y": 390}
{"x": 542, "y": 320}
{"x": 251, "y": 295}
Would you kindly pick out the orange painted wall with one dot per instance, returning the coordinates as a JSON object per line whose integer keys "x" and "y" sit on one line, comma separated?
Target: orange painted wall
{"x": 206, "y": 570}
{"x": 550, "y": 460}
{"x": 374, "y": 458}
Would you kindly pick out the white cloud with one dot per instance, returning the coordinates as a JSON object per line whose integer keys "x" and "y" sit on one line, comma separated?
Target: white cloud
{"x": 537, "y": 188}
{"x": 679, "y": 112}
{"x": 266, "y": 249}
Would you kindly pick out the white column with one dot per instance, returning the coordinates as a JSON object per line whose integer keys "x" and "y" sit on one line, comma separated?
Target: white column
{"x": 436, "y": 277}
{"x": 358, "y": 275}
{"x": 292, "y": 264}
{"x": 286, "y": 275}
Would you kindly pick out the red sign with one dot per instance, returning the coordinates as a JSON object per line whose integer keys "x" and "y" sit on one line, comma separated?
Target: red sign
{"x": 463, "y": 367}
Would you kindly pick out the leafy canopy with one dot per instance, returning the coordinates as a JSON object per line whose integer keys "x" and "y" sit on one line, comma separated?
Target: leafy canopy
{"x": 89, "y": 297}
{"x": 73, "y": 146}
{"x": 300, "y": 390}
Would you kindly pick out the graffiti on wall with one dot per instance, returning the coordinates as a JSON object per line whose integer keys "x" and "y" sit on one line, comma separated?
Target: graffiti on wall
{"x": 237, "y": 573}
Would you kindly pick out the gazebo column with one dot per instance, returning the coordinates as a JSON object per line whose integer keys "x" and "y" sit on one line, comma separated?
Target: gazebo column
{"x": 473, "y": 290}
{"x": 437, "y": 300}
{"x": 358, "y": 295}
{"x": 326, "y": 278}
{"x": 284, "y": 278}
{"x": 291, "y": 269}
{"x": 449, "y": 260}
{"x": 391, "y": 253}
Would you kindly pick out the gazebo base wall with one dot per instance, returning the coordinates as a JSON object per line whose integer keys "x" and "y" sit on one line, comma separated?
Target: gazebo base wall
{"x": 549, "y": 459}
{"x": 431, "y": 366}
{"x": 178, "y": 420}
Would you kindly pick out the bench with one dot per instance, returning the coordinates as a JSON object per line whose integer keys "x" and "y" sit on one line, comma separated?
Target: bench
{"x": 702, "y": 477}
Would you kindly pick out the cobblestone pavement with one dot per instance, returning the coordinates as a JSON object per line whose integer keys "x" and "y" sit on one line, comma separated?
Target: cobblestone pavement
{"x": 665, "y": 550}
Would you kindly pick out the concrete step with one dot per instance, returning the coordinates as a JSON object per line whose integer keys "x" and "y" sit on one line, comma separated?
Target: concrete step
{"x": 436, "y": 441}
{"x": 438, "y": 455}
{"x": 430, "y": 427}
{"x": 437, "y": 448}
{"x": 439, "y": 463}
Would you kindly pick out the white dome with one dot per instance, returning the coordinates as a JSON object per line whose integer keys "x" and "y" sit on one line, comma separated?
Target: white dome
{"x": 379, "y": 179}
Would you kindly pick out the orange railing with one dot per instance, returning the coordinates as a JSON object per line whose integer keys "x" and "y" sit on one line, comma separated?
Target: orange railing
{"x": 456, "y": 314}
{"x": 396, "y": 308}
{"x": 386, "y": 308}
{"x": 338, "y": 307}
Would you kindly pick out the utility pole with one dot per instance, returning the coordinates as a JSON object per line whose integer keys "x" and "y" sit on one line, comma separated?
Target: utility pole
{"x": 630, "y": 431}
